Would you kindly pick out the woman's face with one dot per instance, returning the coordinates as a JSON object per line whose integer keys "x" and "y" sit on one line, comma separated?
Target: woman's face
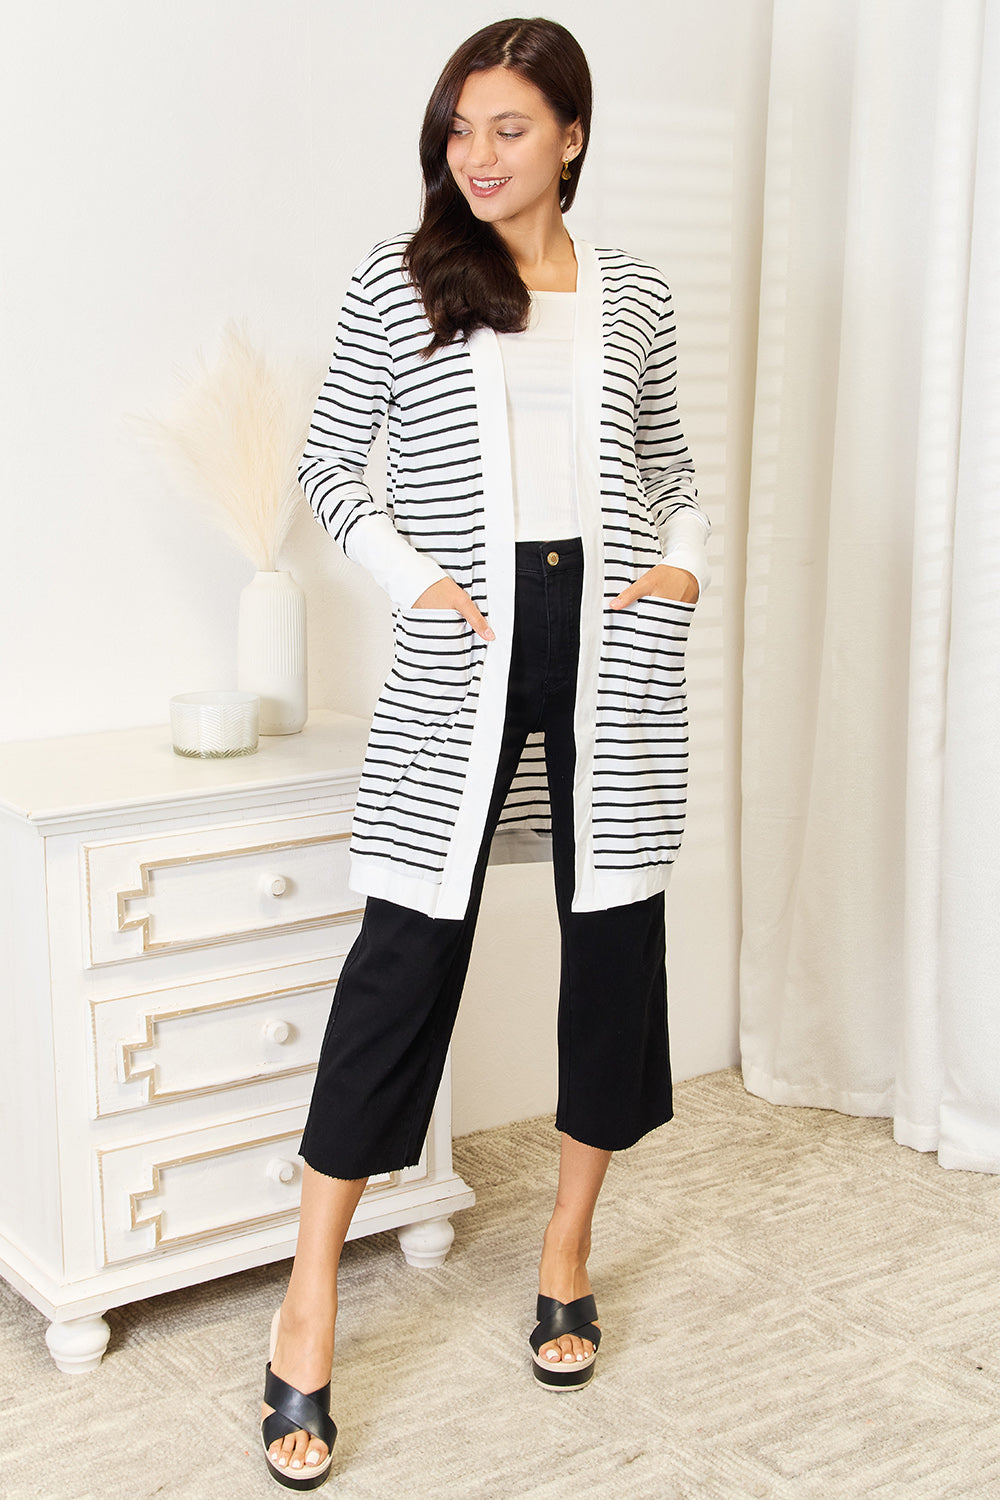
{"x": 506, "y": 147}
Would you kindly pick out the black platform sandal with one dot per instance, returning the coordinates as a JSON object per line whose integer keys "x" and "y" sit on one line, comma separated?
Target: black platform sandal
{"x": 554, "y": 1320}
{"x": 294, "y": 1411}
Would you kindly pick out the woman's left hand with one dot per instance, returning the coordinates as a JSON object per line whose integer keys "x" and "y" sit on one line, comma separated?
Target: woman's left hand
{"x": 663, "y": 582}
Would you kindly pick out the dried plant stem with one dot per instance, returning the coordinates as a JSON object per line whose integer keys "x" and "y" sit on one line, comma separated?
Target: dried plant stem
{"x": 236, "y": 436}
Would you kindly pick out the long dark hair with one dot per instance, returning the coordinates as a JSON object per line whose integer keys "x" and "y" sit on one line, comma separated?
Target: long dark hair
{"x": 465, "y": 274}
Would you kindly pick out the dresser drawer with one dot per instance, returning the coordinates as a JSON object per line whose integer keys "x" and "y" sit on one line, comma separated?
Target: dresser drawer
{"x": 223, "y": 1180}
{"x": 193, "y": 1039}
{"x": 204, "y": 886}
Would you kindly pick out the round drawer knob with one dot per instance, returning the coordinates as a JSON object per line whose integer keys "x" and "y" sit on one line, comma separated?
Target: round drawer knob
{"x": 275, "y": 885}
{"x": 281, "y": 1170}
{"x": 277, "y": 1031}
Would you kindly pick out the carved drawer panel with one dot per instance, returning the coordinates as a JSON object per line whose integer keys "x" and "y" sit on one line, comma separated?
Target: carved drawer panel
{"x": 214, "y": 885}
{"x": 197, "y": 1185}
{"x": 195, "y": 1039}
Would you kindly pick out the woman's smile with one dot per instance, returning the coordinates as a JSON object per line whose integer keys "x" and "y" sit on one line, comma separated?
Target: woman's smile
{"x": 485, "y": 187}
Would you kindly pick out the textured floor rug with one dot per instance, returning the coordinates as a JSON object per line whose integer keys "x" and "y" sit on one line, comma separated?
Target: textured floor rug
{"x": 793, "y": 1306}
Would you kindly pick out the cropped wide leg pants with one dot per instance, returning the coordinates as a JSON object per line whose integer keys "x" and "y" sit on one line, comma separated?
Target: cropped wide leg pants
{"x": 398, "y": 994}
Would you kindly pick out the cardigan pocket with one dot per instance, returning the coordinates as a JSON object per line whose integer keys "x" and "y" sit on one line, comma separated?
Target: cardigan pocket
{"x": 433, "y": 663}
{"x": 656, "y": 679}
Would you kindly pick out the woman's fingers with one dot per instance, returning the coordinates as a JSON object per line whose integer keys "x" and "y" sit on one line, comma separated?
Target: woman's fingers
{"x": 664, "y": 582}
{"x": 478, "y": 621}
{"x": 630, "y": 595}
{"x": 447, "y": 594}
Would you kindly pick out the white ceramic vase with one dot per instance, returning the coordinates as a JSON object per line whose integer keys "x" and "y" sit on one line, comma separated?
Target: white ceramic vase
{"x": 272, "y": 651}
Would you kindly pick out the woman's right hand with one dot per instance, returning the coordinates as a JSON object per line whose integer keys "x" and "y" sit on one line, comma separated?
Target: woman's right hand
{"x": 447, "y": 594}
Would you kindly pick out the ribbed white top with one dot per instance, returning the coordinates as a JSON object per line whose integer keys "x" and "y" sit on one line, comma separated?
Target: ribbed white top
{"x": 538, "y": 370}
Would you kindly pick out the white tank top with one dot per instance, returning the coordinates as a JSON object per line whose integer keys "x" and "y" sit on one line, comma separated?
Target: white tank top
{"x": 538, "y": 370}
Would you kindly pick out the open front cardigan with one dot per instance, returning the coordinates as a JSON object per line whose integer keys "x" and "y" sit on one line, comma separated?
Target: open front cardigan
{"x": 435, "y": 736}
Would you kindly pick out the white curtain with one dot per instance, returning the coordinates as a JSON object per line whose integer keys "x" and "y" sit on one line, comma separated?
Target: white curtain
{"x": 870, "y": 970}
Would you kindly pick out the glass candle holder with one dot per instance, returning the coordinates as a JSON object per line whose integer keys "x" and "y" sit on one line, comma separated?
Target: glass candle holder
{"x": 214, "y": 726}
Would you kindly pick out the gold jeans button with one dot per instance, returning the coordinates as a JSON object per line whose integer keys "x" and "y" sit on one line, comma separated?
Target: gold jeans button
{"x": 552, "y": 559}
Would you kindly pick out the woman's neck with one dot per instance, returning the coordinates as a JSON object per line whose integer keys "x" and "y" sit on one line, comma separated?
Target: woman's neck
{"x": 543, "y": 253}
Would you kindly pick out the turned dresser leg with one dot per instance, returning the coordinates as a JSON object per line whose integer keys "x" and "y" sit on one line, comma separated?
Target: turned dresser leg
{"x": 78, "y": 1345}
{"x": 427, "y": 1243}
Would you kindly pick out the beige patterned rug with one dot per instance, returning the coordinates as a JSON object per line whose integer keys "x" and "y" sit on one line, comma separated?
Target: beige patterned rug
{"x": 793, "y": 1306}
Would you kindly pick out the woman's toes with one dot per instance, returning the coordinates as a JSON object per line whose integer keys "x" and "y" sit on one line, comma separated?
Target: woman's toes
{"x": 283, "y": 1451}
{"x": 567, "y": 1350}
{"x": 297, "y": 1451}
{"x": 302, "y": 1441}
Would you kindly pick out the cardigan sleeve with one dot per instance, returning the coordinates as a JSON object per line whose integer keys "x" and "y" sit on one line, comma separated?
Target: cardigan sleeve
{"x": 664, "y": 461}
{"x": 350, "y": 409}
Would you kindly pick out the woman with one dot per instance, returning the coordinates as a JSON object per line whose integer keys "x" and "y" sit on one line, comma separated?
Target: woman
{"x": 544, "y": 553}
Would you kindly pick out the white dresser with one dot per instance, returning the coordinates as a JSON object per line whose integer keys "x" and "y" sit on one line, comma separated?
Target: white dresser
{"x": 171, "y": 932}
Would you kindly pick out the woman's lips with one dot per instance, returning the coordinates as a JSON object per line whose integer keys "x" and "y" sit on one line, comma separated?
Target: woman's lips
{"x": 485, "y": 187}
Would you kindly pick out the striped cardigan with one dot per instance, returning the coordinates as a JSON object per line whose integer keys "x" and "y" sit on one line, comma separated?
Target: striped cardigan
{"x": 435, "y": 736}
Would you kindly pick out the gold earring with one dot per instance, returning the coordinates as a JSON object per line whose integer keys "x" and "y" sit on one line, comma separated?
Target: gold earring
{"x": 565, "y": 172}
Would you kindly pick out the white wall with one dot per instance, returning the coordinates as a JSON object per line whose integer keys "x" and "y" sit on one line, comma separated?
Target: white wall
{"x": 169, "y": 167}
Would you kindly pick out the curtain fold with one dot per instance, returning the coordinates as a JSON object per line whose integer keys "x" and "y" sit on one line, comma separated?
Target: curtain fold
{"x": 871, "y": 954}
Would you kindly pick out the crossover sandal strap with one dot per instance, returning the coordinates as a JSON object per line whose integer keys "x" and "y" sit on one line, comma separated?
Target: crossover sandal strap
{"x": 294, "y": 1411}
{"x": 558, "y": 1318}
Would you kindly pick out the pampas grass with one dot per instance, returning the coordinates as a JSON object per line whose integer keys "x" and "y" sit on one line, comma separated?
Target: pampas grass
{"x": 235, "y": 437}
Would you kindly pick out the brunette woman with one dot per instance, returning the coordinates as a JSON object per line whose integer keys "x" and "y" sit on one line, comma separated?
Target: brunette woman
{"x": 544, "y": 548}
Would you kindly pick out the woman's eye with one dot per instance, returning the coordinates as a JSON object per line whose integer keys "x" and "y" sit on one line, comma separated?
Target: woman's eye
{"x": 505, "y": 135}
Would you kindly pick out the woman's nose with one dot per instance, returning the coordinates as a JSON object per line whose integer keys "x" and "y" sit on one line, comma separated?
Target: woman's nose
{"x": 482, "y": 152}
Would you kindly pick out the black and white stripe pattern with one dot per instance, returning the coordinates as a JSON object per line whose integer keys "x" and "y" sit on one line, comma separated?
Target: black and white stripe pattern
{"x": 640, "y": 759}
{"x": 418, "y": 762}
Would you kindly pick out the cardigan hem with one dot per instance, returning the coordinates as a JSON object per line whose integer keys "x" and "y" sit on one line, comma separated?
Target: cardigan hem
{"x": 604, "y": 889}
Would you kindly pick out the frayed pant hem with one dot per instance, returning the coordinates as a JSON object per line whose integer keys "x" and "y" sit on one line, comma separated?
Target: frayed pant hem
{"x": 325, "y": 1170}
{"x": 622, "y": 1145}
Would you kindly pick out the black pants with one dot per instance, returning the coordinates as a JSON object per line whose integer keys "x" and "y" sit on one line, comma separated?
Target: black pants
{"x": 398, "y": 994}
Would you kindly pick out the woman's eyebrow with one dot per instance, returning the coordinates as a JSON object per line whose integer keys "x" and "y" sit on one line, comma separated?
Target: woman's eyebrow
{"x": 508, "y": 114}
